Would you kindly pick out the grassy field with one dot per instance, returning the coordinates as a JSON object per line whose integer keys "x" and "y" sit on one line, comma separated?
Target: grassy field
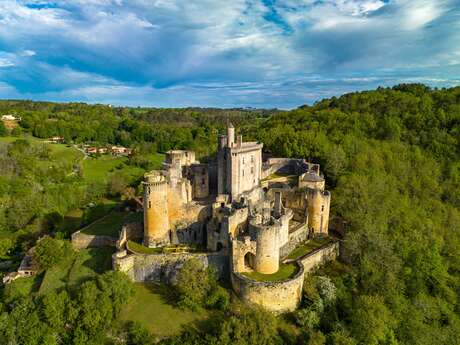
{"x": 150, "y": 307}
{"x": 111, "y": 224}
{"x": 307, "y": 247}
{"x": 90, "y": 262}
{"x": 86, "y": 264}
{"x": 99, "y": 169}
{"x": 285, "y": 271}
{"x": 94, "y": 169}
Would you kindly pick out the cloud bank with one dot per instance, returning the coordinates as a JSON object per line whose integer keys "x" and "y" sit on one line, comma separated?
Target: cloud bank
{"x": 265, "y": 53}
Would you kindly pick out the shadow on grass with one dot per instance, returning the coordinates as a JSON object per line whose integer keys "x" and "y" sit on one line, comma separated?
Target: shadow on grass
{"x": 167, "y": 293}
{"x": 100, "y": 259}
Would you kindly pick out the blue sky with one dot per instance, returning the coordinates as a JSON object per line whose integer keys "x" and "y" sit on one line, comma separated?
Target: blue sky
{"x": 259, "y": 53}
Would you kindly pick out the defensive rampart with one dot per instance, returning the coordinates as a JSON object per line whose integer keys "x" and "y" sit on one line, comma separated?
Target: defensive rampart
{"x": 283, "y": 296}
{"x": 295, "y": 238}
{"x": 276, "y": 296}
{"x": 164, "y": 267}
{"x": 80, "y": 240}
{"x": 320, "y": 256}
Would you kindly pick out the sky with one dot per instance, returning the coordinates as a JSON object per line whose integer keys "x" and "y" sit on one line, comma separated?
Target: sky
{"x": 223, "y": 53}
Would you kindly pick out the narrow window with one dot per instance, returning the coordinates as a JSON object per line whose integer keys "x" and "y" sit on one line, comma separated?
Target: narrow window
{"x": 203, "y": 181}
{"x": 252, "y": 158}
{"x": 252, "y": 170}
{"x": 150, "y": 204}
{"x": 322, "y": 208}
{"x": 243, "y": 172}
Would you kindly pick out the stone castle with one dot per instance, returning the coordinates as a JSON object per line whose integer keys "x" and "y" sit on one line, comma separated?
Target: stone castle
{"x": 245, "y": 213}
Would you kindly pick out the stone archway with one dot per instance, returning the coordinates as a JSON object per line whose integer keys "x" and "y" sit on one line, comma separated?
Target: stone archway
{"x": 249, "y": 261}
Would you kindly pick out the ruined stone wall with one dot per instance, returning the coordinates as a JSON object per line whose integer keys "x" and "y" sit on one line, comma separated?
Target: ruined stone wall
{"x": 183, "y": 157}
{"x": 200, "y": 181}
{"x": 128, "y": 232}
{"x": 164, "y": 267}
{"x": 277, "y": 296}
{"x": 320, "y": 256}
{"x": 286, "y": 166}
{"x": 81, "y": 240}
{"x": 296, "y": 201}
{"x": 239, "y": 251}
{"x": 295, "y": 238}
{"x": 237, "y": 221}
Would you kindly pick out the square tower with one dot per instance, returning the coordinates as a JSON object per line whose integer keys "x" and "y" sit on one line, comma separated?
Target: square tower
{"x": 239, "y": 164}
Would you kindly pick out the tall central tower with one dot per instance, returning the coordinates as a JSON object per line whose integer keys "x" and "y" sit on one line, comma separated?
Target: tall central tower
{"x": 239, "y": 164}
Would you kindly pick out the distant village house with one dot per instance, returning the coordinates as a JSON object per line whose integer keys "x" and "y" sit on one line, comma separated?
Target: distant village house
{"x": 10, "y": 117}
{"x": 57, "y": 140}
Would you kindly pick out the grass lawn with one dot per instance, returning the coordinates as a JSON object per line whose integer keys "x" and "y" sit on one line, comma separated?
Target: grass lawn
{"x": 307, "y": 247}
{"x": 73, "y": 220}
{"x": 8, "y": 139}
{"x": 139, "y": 248}
{"x": 178, "y": 248}
{"x": 99, "y": 169}
{"x": 65, "y": 153}
{"x": 111, "y": 225}
{"x": 86, "y": 264}
{"x": 150, "y": 307}
{"x": 285, "y": 271}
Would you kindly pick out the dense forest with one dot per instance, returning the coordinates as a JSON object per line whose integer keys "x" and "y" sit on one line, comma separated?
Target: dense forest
{"x": 391, "y": 159}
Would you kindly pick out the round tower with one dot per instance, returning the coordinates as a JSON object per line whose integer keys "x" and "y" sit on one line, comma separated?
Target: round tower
{"x": 318, "y": 211}
{"x": 312, "y": 181}
{"x": 156, "y": 218}
{"x": 267, "y": 250}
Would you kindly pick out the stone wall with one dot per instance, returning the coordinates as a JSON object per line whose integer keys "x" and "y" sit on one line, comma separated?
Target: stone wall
{"x": 295, "y": 238}
{"x": 277, "y": 296}
{"x": 164, "y": 267}
{"x": 130, "y": 231}
{"x": 320, "y": 256}
{"x": 81, "y": 240}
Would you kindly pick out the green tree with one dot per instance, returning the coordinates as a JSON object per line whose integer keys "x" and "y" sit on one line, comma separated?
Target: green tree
{"x": 197, "y": 287}
{"x": 49, "y": 251}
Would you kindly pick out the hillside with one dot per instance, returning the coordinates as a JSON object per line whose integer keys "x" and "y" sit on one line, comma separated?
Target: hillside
{"x": 391, "y": 159}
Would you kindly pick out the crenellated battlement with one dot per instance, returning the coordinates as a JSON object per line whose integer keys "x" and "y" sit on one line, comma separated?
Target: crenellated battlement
{"x": 158, "y": 186}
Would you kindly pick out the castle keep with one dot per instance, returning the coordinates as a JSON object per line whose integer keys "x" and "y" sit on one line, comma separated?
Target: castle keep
{"x": 245, "y": 213}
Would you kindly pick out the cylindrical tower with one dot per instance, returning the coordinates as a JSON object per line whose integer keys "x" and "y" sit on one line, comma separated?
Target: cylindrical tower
{"x": 156, "y": 218}
{"x": 312, "y": 181}
{"x": 267, "y": 250}
{"x": 318, "y": 211}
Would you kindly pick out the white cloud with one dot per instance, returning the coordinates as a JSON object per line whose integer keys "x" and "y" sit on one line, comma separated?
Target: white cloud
{"x": 5, "y": 63}
{"x": 249, "y": 48}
